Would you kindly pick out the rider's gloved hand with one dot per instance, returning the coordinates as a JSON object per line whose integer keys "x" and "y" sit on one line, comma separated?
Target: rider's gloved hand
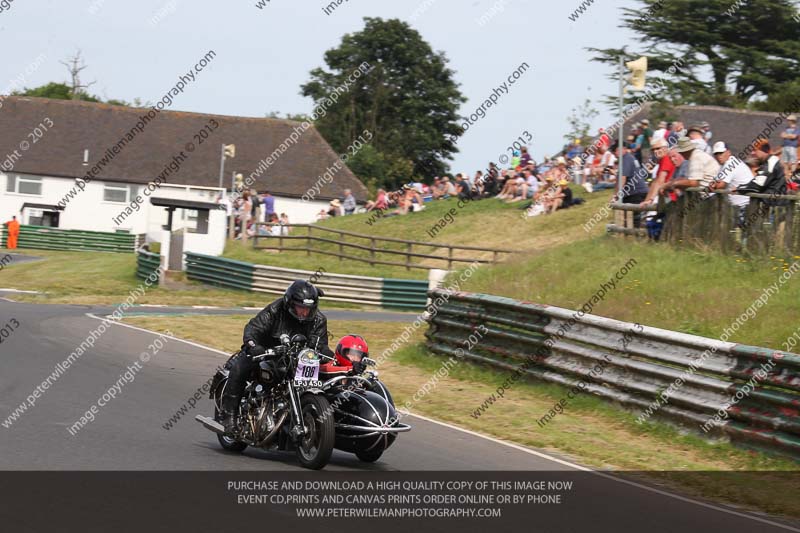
{"x": 358, "y": 368}
{"x": 254, "y": 349}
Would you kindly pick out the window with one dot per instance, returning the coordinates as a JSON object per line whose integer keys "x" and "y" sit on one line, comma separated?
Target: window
{"x": 24, "y": 185}
{"x": 115, "y": 193}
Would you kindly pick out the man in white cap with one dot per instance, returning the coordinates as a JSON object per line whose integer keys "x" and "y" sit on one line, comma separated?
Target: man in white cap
{"x": 789, "y": 154}
{"x": 703, "y": 169}
{"x": 734, "y": 173}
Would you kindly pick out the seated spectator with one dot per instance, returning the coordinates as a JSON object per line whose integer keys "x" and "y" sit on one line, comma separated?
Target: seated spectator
{"x": 463, "y": 188}
{"x": 284, "y": 222}
{"x": 566, "y": 195}
{"x": 381, "y": 202}
{"x": 438, "y": 190}
{"x": 334, "y": 209}
{"x": 450, "y": 189}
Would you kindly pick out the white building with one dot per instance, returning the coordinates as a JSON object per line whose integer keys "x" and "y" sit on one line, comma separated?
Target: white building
{"x": 82, "y": 165}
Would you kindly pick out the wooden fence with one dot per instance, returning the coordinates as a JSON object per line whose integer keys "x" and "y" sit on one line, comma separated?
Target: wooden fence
{"x": 770, "y": 225}
{"x": 367, "y": 253}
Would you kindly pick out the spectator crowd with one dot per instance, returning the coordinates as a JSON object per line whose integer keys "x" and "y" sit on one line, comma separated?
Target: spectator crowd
{"x": 659, "y": 160}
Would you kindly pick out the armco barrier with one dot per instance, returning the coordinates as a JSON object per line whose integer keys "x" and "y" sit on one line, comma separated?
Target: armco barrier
{"x": 389, "y": 293}
{"x": 639, "y": 364}
{"x": 46, "y": 238}
{"x": 146, "y": 263}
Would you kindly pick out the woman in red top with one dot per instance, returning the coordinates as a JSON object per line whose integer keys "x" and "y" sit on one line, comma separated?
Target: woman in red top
{"x": 666, "y": 169}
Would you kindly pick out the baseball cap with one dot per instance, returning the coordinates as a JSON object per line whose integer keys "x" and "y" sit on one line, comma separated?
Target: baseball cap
{"x": 719, "y": 147}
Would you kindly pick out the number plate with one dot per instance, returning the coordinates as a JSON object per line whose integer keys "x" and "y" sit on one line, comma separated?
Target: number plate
{"x": 307, "y": 371}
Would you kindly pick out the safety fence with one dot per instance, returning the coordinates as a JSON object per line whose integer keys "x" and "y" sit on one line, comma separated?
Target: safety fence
{"x": 47, "y": 238}
{"x": 639, "y": 365}
{"x": 769, "y": 225}
{"x": 371, "y": 249}
{"x": 383, "y": 292}
{"x": 146, "y": 263}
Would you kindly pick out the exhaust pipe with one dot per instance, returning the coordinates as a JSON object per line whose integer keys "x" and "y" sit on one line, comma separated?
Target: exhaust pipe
{"x": 210, "y": 423}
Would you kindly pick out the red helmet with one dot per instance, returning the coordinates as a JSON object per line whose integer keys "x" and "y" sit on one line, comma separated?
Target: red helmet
{"x": 351, "y": 349}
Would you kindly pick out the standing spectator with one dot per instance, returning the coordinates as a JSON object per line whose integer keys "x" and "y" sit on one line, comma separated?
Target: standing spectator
{"x": 734, "y": 173}
{"x": 244, "y": 215}
{"x": 702, "y": 171}
{"x": 661, "y": 132}
{"x": 697, "y": 136}
{"x": 638, "y": 142}
{"x": 525, "y": 158}
{"x": 255, "y": 211}
{"x": 349, "y": 202}
{"x": 633, "y": 187}
{"x": 775, "y": 180}
{"x": 666, "y": 169}
{"x": 707, "y": 133}
{"x": 12, "y": 233}
{"x": 789, "y": 153}
{"x": 675, "y": 133}
{"x": 268, "y": 202}
{"x": 648, "y": 134}
{"x": 604, "y": 138}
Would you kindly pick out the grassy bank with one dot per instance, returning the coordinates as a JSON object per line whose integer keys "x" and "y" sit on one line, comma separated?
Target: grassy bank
{"x": 683, "y": 290}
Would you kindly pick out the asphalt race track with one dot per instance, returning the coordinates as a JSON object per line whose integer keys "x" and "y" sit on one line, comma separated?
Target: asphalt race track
{"x": 128, "y": 433}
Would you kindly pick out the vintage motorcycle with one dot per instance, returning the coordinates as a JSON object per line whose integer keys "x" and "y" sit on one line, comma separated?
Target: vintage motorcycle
{"x": 290, "y": 405}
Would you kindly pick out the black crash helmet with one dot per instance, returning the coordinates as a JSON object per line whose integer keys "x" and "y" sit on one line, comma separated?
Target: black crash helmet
{"x": 301, "y": 300}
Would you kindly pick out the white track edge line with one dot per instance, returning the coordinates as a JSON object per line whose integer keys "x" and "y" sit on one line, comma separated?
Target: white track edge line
{"x": 524, "y": 449}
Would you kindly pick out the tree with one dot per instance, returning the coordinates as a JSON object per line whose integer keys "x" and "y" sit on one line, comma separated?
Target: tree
{"x": 580, "y": 122}
{"x": 408, "y": 100}
{"x": 75, "y": 65}
{"x": 728, "y": 53}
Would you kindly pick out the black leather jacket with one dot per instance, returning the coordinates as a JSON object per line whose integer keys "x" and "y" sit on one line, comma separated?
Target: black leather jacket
{"x": 274, "y": 320}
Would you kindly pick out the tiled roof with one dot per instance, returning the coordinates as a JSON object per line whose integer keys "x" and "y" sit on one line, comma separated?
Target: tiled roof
{"x": 97, "y": 127}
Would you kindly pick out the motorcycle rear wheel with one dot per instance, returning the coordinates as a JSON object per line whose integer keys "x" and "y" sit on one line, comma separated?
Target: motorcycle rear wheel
{"x": 315, "y": 448}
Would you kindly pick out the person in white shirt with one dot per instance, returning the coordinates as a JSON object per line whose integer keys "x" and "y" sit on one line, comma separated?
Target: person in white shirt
{"x": 733, "y": 174}
{"x": 661, "y": 132}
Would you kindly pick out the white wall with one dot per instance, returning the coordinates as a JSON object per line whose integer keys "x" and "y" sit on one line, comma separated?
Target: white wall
{"x": 299, "y": 212}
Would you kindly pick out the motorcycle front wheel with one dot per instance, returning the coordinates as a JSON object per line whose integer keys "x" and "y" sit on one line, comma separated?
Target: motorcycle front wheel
{"x": 314, "y": 449}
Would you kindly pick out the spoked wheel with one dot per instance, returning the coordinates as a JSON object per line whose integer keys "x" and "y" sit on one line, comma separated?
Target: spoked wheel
{"x": 314, "y": 449}
{"x": 227, "y": 443}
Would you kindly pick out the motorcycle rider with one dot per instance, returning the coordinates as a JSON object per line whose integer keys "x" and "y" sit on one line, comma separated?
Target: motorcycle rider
{"x": 294, "y": 313}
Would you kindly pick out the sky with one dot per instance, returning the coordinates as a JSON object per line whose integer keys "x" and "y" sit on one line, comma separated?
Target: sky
{"x": 263, "y": 56}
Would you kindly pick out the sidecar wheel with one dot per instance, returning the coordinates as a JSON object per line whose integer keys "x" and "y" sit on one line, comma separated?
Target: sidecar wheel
{"x": 369, "y": 456}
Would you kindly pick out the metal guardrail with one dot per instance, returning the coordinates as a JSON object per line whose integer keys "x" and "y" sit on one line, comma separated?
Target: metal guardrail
{"x": 146, "y": 263}
{"x": 564, "y": 348}
{"x": 373, "y": 248}
{"x": 47, "y": 238}
{"x": 382, "y": 292}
